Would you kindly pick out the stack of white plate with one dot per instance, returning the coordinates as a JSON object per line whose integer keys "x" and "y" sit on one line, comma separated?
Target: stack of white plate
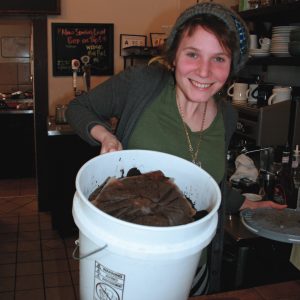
{"x": 280, "y": 40}
{"x": 258, "y": 52}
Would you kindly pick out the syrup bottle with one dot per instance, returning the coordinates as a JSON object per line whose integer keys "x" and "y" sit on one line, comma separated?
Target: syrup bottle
{"x": 283, "y": 191}
{"x": 295, "y": 173}
{"x": 285, "y": 159}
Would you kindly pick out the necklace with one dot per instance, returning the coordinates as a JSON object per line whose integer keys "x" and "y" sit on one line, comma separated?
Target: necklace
{"x": 193, "y": 152}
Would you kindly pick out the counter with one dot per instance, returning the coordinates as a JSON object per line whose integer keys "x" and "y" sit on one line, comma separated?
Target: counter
{"x": 16, "y": 111}
{"x": 289, "y": 290}
{"x": 250, "y": 260}
{"x": 55, "y": 129}
{"x": 58, "y": 129}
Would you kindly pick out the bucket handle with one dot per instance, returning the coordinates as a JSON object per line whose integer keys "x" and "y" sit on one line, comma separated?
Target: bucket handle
{"x": 74, "y": 254}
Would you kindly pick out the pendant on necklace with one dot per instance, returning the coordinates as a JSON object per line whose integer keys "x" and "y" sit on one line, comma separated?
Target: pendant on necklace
{"x": 193, "y": 153}
{"x": 196, "y": 162}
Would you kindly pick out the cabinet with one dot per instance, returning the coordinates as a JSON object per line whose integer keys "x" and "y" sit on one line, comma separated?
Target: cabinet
{"x": 249, "y": 260}
{"x": 30, "y": 7}
{"x": 278, "y": 14}
{"x": 67, "y": 153}
{"x": 17, "y": 144}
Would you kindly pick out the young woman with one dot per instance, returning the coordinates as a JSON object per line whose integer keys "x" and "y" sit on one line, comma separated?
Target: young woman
{"x": 174, "y": 105}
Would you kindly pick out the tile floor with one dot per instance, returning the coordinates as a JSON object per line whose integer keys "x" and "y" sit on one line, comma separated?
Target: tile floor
{"x": 35, "y": 263}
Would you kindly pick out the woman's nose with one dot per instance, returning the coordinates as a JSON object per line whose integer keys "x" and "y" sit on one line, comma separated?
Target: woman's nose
{"x": 203, "y": 68}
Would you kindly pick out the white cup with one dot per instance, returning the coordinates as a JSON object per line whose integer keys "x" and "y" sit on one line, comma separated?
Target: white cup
{"x": 265, "y": 43}
{"x": 280, "y": 94}
{"x": 252, "y": 87}
{"x": 240, "y": 91}
{"x": 253, "y": 41}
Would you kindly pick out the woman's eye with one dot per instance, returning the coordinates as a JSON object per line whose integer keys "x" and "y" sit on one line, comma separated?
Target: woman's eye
{"x": 219, "y": 59}
{"x": 192, "y": 54}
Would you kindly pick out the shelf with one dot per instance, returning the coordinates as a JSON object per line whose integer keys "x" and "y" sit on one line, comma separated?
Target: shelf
{"x": 275, "y": 61}
{"x": 138, "y": 54}
{"x": 279, "y": 14}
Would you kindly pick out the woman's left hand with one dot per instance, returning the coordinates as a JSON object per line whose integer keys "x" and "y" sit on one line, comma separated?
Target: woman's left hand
{"x": 250, "y": 204}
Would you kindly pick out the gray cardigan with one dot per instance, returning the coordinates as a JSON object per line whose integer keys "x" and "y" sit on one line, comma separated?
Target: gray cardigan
{"x": 125, "y": 96}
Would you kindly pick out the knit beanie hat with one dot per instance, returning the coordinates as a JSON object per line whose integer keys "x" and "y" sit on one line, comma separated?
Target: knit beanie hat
{"x": 231, "y": 19}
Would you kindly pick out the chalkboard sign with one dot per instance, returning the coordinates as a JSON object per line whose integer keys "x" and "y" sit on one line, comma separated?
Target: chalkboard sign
{"x": 75, "y": 40}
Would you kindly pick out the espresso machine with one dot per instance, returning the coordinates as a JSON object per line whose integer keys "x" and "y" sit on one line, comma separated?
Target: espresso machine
{"x": 261, "y": 131}
{"x": 264, "y": 126}
{"x": 269, "y": 126}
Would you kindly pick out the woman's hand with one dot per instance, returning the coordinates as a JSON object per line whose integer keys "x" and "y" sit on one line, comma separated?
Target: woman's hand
{"x": 250, "y": 204}
{"x": 109, "y": 142}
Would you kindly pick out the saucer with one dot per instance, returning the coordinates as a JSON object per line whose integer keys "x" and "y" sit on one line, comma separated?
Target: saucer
{"x": 258, "y": 50}
{"x": 239, "y": 102}
{"x": 252, "y": 197}
{"x": 260, "y": 54}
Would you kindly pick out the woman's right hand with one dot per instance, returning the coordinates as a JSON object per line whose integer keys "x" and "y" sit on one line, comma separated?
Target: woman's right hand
{"x": 267, "y": 203}
{"x": 109, "y": 142}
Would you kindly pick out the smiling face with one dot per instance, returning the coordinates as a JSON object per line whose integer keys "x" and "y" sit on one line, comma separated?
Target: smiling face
{"x": 202, "y": 65}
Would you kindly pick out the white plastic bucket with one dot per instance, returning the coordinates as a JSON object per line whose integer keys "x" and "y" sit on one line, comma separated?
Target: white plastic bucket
{"x": 138, "y": 262}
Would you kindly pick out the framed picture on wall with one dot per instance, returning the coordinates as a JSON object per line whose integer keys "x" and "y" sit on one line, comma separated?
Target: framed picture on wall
{"x": 157, "y": 39}
{"x": 129, "y": 40}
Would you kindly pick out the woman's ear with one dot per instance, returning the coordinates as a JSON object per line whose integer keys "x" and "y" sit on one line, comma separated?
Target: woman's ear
{"x": 174, "y": 64}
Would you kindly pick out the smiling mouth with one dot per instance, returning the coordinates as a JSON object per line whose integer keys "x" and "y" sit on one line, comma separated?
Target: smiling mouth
{"x": 200, "y": 85}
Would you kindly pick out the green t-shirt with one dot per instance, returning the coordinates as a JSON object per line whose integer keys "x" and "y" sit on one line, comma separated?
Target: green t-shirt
{"x": 160, "y": 128}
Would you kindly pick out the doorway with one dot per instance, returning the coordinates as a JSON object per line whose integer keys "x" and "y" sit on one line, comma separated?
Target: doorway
{"x": 40, "y": 91}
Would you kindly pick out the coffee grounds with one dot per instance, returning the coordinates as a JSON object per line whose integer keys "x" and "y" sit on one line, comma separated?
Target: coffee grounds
{"x": 147, "y": 199}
